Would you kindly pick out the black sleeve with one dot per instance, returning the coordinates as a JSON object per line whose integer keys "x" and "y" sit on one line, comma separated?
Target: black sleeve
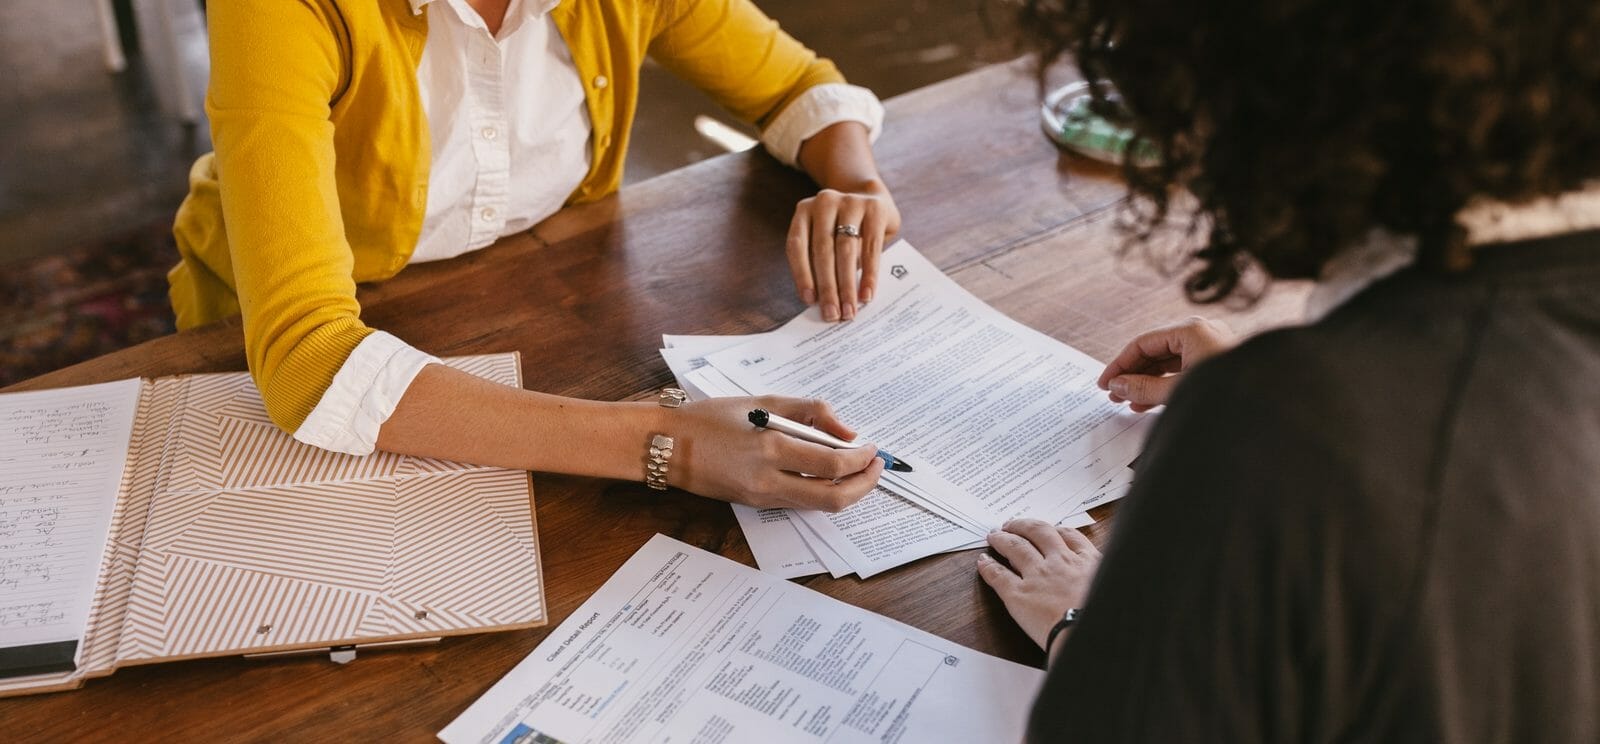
{"x": 1197, "y": 624}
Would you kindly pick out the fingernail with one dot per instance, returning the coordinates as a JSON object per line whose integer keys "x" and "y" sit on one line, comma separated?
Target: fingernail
{"x": 830, "y": 312}
{"x": 984, "y": 558}
{"x": 808, "y": 296}
{"x": 866, "y": 296}
{"x": 849, "y": 312}
{"x": 1119, "y": 387}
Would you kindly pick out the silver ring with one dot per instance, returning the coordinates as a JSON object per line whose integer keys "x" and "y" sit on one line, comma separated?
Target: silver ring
{"x": 848, "y": 230}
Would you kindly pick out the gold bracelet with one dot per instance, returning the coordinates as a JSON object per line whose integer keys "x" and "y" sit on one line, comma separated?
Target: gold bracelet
{"x": 655, "y": 466}
{"x": 660, "y": 449}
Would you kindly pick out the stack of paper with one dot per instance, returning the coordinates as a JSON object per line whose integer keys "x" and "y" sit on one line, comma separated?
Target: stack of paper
{"x": 998, "y": 420}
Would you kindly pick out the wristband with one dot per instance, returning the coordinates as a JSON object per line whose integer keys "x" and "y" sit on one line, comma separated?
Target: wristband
{"x": 1067, "y": 620}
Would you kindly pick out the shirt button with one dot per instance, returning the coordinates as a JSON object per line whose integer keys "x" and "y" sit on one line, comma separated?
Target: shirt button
{"x": 490, "y": 133}
{"x": 605, "y": 140}
{"x": 600, "y": 81}
{"x": 487, "y": 214}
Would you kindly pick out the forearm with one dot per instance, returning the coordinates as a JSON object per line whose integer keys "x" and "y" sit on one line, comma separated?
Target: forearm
{"x": 840, "y": 157}
{"x": 450, "y": 414}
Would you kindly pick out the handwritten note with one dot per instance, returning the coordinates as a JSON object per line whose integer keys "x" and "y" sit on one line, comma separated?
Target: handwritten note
{"x": 61, "y": 459}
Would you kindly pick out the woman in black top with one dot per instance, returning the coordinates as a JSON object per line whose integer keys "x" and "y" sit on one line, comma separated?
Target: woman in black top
{"x": 1383, "y": 525}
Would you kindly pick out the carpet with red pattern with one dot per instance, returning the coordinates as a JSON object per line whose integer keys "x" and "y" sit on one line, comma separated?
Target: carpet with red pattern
{"x": 64, "y": 308}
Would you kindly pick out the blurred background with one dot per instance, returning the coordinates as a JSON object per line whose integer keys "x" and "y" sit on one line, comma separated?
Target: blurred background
{"x": 100, "y": 118}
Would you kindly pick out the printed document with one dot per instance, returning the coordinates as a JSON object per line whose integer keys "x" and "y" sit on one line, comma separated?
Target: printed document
{"x": 882, "y": 530}
{"x": 999, "y": 420}
{"x": 682, "y": 645}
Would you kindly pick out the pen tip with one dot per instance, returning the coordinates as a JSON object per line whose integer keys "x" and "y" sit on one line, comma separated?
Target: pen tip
{"x": 900, "y": 466}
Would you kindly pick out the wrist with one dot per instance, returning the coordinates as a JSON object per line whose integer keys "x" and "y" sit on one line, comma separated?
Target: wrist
{"x": 663, "y": 442}
{"x": 630, "y": 425}
{"x": 869, "y": 186}
{"x": 1055, "y": 640}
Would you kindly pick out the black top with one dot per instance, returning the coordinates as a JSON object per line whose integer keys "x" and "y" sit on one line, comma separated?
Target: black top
{"x": 1381, "y": 527}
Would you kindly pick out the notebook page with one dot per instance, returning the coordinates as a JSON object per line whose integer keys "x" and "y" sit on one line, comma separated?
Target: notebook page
{"x": 61, "y": 458}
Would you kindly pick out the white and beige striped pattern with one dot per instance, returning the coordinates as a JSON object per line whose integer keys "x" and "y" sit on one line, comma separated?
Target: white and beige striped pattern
{"x": 232, "y": 537}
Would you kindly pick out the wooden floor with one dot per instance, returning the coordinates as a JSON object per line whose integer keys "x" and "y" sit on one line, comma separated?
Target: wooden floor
{"x": 85, "y": 154}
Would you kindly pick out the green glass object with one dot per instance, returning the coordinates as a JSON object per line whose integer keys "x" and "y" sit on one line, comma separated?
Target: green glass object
{"x": 1071, "y": 123}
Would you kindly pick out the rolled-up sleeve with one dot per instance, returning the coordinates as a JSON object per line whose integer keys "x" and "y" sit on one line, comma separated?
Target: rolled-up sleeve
{"x": 744, "y": 61}
{"x": 363, "y": 395}
{"x": 817, "y": 109}
{"x": 275, "y": 71}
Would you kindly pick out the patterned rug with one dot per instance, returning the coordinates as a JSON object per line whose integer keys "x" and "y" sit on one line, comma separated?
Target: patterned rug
{"x": 64, "y": 308}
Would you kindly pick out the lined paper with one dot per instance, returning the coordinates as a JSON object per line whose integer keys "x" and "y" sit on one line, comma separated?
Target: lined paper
{"x": 61, "y": 458}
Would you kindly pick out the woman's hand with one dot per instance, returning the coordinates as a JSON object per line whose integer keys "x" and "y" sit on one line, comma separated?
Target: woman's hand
{"x": 720, "y": 455}
{"x": 1051, "y": 568}
{"x": 1147, "y": 370}
{"x": 825, "y": 258}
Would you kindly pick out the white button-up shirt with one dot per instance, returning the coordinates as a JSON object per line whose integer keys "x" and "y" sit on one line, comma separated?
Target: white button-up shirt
{"x": 510, "y": 136}
{"x": 488, "y": 134}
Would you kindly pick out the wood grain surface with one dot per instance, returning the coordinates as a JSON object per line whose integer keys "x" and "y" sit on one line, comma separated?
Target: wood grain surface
{"x": 585, "y": 297}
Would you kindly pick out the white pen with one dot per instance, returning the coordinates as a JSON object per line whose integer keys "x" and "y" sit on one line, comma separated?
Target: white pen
{"x": 765, "y": 420}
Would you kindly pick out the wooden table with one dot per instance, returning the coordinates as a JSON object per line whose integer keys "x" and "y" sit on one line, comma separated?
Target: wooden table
{"x": 585, "y": 297}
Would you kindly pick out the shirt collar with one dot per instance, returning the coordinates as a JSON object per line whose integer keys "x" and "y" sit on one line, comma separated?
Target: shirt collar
{"x": 1487, "y": 222}
{"x": 531, "y": 7}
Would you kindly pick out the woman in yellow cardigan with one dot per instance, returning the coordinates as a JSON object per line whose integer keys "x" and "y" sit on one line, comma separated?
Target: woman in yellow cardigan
{"x": 354, "y": 138}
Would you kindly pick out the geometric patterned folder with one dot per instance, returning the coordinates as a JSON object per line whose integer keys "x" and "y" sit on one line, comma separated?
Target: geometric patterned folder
{"x": 230, "y": 537}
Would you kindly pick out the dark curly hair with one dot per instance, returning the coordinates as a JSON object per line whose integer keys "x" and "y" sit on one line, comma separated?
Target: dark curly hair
{"x": 1301, "y": 125}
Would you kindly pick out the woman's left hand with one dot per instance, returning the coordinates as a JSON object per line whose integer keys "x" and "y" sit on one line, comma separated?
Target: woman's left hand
{"x": 826, "y": 259}
{"x": 1050, "y": 572}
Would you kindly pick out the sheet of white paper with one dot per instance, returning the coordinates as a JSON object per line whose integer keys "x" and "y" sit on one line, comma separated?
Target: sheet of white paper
{"x": 837, "y": 566}
{"x": 1114, "y": 486}
{"x": 1079, "y": 520}
{"x": 881, "y": 531}
{"x": 884, "y": 530}
{"x": 685, "y": 646}
{"x": 718, "y": 384}
{"x": 703, "y": 345}
{"x": 682, "y": 363}
{"x": 61, "y": 459}
{"x": 960, "y": 513}
{"x": 967, "y": 511}
{"x": 776, "y": 542}
{"x": 1009, "y": 416}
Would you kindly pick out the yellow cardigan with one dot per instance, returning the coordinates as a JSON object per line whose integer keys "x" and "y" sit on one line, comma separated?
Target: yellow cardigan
{"x": 319, "y": 177}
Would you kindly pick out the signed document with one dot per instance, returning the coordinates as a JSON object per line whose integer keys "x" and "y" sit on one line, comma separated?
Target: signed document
{"x": 682, "y": 645}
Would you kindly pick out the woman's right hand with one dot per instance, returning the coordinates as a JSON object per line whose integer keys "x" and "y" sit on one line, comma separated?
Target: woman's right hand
{"x": 1148, "y": 368}
{"x": 720, "y": 455}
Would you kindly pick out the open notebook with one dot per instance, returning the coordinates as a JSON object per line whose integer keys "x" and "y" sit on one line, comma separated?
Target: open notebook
{"x": 155, "y": 520}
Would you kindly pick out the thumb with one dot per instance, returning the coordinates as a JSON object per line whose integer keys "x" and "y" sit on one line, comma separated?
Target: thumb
{"x": 1143, "y": 390}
